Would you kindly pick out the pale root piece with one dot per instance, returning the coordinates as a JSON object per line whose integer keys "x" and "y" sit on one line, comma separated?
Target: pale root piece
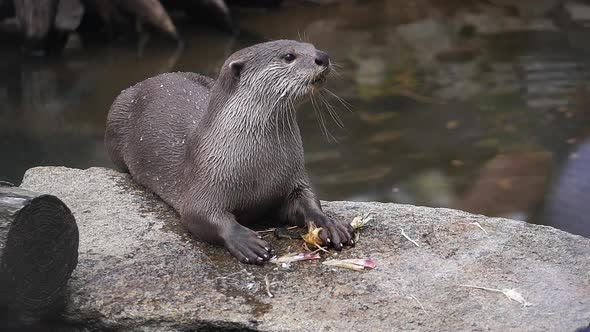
{"x": 418, "y": 301}
{"x": 294, "y": 257}
{"x": 511, "y": 294}
{"x": 479, "y": 226}
{"x": 516, "y": 296}
{"x": 361, "y": 221}
{"x": 319, "y": 248}
{"x": 352, "y": 264}
{"x": 407, "y": 237}
{"x": 267, "y": 283}
{"x": 270, "y": 230}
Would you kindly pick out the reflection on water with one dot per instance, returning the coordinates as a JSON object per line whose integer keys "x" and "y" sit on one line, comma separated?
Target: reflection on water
{"x": 481, "y": 106}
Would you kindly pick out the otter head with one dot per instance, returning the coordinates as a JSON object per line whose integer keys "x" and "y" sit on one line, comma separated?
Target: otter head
{"x": 276, "y": 71}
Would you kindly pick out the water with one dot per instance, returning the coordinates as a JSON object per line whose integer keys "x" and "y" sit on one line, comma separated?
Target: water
{"x": 477, "y": 107}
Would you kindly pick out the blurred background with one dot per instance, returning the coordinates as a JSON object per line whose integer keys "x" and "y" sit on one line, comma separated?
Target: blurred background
{"x": 478, "y": 105}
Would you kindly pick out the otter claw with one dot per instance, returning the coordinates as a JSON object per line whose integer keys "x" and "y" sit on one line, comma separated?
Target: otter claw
{"x": 247, "y": 246}
{"x": 334, "y": 233}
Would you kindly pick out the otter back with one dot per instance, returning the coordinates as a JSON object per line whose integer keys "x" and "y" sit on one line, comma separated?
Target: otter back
{"x": 148, "y": 128}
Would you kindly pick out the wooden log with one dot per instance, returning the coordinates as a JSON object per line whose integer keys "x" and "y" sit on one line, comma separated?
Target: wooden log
{"x": 152, "y": 12}
{"x": 38, "y": 251}
{"x": 68, "y": 15}
{"x": 215, "y": 12}
{"x": 35, "y": 17}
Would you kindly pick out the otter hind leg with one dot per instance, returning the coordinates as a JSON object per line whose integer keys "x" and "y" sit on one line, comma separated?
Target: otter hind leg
{"x": 114, "y": 152}
{"x": 223, "y": 229}
{"x": 118, "y": 128}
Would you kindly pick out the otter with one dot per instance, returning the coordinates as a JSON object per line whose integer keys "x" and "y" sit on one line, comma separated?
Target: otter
{"x": 227, "y": 153}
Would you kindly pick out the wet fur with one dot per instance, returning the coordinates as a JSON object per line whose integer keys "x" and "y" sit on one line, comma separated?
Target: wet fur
{"x": 225, "y": 150}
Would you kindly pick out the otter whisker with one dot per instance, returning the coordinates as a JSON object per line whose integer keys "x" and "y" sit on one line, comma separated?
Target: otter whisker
{"x": 335, "y": 68}
{"x": 274, "y": 113}
{"x": 277, "y": 115}
{"x": 270, "y": 113}
{"x": 326, "y": 127}
{"x": 292, "y": 117}
{"x": 335, "y": 72}
{"x": 344, "y": 103}
{"x": 335, "y": 65}
{"x": 322, "y": 122}
{"x": 284, "y": 111}
{"x": 332, "y": 111}
{"x": 284, "y": 114}
{"x": 287, "y": 115}
{"x": 316, "y": 115}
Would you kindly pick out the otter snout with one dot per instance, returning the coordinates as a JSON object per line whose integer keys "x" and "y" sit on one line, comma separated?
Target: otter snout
{"x": 322, "y": 59}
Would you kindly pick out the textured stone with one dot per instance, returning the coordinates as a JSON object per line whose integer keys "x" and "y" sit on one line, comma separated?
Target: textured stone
{"x": 138, "y": 270}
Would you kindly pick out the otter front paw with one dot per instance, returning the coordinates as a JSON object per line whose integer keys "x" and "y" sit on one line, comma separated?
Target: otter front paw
{"x": 336, "y": 233}
{"x": 247, "y": 246}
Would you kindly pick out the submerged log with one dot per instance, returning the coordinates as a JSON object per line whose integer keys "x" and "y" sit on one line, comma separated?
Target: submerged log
{"x": 38, "y": 251}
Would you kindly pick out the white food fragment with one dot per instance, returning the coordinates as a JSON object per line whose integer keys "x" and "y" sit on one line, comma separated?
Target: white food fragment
{"x": 293, "y": 257}
{"x": 416, "y": 299}
{"x": 361, "y": 221}
{"x": 352, "y": 264}
{"x": 407, "y": 237}
{"x": 267, "y": 282}
{"x": 511, "y": 294}
{"x": 478, "y": 225}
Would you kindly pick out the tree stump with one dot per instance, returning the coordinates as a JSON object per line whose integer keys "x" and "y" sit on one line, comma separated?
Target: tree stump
{"x": 38, "y": 251}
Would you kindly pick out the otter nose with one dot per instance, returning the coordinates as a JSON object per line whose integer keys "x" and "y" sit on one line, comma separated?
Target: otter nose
{"x": 322, "y": 59}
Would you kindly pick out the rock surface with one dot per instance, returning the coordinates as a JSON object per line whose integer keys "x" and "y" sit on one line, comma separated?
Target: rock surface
{"x": 138, "y": 270}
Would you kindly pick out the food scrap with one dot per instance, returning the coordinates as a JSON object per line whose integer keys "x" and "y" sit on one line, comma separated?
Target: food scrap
{"x": 353, "y": 264}
{"x": 294, "y": 257}
{"x": 313, "y": 235}
{"x": 285, "y": 233}
{"x": 408, "y": 238}
{"x": 509, "y": 293}
{"x": 361, "y": 221}
{"x": 312, "y": 238}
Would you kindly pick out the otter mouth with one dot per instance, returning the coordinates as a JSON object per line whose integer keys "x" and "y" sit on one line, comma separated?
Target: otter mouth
{"x": 321, "y": 80}
{"x": 318, "y": 82}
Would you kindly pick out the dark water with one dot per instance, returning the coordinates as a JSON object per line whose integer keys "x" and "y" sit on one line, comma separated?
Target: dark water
{"x": 482, "y": 107}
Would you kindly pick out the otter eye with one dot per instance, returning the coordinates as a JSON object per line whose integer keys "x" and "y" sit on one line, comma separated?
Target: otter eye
{"x": 289, "y": 57}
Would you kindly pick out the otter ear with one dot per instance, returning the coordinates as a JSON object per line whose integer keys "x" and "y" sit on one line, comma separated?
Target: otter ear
{"x": 236, "y": 67}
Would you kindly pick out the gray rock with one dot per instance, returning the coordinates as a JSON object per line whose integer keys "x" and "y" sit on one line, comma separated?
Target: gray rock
{"x": 138, "y": 270}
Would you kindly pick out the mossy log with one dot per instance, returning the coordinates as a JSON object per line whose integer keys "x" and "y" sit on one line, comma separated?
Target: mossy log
{"x": 38, "y": 251}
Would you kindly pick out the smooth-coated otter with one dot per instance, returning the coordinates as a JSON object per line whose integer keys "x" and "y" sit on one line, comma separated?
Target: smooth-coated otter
{"x": 227, "y": 152}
